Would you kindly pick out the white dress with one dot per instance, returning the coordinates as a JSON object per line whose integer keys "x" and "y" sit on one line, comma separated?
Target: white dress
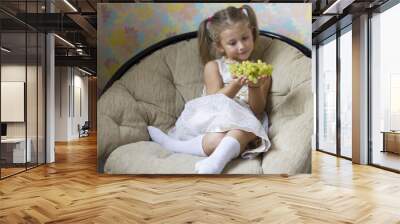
{"x": 219, "y": 113}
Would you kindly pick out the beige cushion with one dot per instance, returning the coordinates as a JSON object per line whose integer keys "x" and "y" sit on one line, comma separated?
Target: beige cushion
{"x": 150, "y": 158}
{"x": 154, "y": 92}
{"x": 290, "y": 110}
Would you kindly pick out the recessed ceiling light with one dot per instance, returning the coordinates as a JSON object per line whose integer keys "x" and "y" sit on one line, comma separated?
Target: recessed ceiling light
{"x": 337, "y": 7}
{"x": 86, "y": 72}
{"x": 64, "y": 40}
{"x": 70, "y": 5}
{"x": 5, "y": 49}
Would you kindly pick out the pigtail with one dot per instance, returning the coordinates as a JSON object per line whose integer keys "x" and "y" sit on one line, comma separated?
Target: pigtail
{"x": 253, "y": 20}
{"x": 205, "y": 42}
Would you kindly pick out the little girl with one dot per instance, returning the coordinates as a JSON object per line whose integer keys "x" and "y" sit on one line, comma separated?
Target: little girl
{"x": 229, "y": 117}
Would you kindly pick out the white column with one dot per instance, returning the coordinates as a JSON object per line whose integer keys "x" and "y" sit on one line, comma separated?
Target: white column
{"x": 360, "y": 90}
{"x": 314, "y": 92}
{"x": 50, "y": 94}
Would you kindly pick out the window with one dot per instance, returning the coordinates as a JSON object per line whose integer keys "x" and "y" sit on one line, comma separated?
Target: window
{"x": 346, "y": 93}
{"x": 385, "y": 86}
{"x": 394, "y": 102}
{"x": 327, "y": 96}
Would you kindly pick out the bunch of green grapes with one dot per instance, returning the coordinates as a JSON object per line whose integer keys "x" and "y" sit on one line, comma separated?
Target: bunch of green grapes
{"x": 251, "y": 70}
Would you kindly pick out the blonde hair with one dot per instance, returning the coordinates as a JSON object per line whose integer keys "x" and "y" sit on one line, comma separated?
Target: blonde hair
{"x": 210, "y": 28}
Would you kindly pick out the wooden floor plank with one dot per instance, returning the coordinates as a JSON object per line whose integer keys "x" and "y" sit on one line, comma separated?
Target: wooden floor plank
{"x": 71, "y": 191}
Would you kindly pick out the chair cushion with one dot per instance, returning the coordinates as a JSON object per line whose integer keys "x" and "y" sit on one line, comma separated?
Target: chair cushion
{"x": 290, "y": 109}
{"x": 153, "y": 92}
{"x": 150, "y": 158}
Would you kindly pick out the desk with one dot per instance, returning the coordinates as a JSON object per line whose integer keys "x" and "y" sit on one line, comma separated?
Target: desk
{"x": 13, "y": 150}
{"x": 391, "y": 141}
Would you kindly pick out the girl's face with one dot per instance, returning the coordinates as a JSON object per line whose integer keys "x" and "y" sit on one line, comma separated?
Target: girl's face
{"x": 236, "y": 42}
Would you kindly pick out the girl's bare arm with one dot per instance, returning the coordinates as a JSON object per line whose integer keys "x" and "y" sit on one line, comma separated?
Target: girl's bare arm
{"x": 214, "y": 84}
{"x": 258, "y": 96}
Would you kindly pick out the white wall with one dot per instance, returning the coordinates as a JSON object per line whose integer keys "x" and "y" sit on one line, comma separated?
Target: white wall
{"x": 12, "y": 73}
{"x": 80, "y": 118}
{"x": 61, "y": 103}
{"x": 69, "y": 85}
{"x": 33, "y": 126}
{"x": 13, "y": 101}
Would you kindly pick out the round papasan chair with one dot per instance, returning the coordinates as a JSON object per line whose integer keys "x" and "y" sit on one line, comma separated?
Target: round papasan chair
{"x": 153, "y": 87}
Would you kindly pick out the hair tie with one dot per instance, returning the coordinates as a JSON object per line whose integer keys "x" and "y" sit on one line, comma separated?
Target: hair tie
{"x": 244, "y": 10}
{"x": 208, "y": 21}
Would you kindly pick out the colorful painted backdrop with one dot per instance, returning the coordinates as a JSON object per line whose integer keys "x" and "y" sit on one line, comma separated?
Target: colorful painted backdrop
{"x": 125, "y": 29}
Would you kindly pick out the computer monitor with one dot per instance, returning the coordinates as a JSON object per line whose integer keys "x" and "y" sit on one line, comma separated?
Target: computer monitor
{"x": 3, "y": 129}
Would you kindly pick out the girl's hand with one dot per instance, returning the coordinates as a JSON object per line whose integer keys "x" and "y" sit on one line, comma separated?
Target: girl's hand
{"x": 260, "y": 81}
{"x": 239, "y": 81}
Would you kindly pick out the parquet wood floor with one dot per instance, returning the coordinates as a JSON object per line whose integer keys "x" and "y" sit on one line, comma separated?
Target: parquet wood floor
{"x": 71, "y": 191}
{"x": 10, "y": 171}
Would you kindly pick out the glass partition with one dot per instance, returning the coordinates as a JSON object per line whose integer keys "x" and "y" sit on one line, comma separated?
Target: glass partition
{"x": 327, "y": 96}
{"x": 13, "y": 108}
{"x": 22, "y": 77}
{"x": 31, "y": 100}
